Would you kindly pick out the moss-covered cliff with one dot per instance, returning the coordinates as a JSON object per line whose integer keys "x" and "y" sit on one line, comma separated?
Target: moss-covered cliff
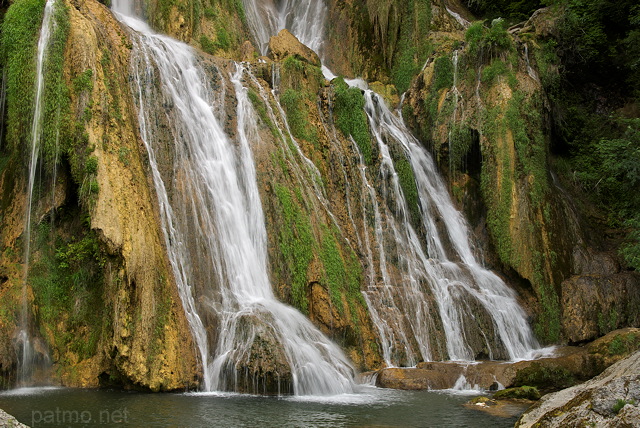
{"x": 488, "y": 101}
{"x": 101, "y": 292}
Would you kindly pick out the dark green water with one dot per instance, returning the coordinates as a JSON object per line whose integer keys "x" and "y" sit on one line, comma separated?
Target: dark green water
{"x": 368, "y": 408}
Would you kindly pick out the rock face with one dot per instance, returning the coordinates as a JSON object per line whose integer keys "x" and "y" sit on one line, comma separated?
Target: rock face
{"x": 127, "y": 326}
{"x": 609, "y": 400}
{"x": 599, "y": 298}
{"x": 285, "y": 44}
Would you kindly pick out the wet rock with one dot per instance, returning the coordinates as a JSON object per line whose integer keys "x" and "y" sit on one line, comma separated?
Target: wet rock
{"x": 285, "y": 44}
{"x": 258, "y": 364}
{"x": 524, "y": 392}
{"x": 506, "y": 408}
{"x": 607, "y": 400}
{"x": 413, "y": 379}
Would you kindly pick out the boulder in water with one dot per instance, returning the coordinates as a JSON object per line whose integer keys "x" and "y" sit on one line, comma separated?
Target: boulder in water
{"x": 258, "y": 364}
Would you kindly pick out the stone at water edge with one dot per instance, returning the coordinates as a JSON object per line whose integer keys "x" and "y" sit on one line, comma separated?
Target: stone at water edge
{"x": 593, "y": 403}
{"x": 507, "y": 408}
{"x": 6, "y": 420}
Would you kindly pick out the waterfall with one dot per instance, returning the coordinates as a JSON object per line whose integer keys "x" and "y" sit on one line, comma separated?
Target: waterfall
{"x": 427, "y": 279}
{"x": 463, "y": 22}
{"x": 304, "y": 18}
{"x": 214, "y": 228}
{"x": 532, "y": 73}
{"x": 462, "y": 289}
{"x": 24, "y": 340}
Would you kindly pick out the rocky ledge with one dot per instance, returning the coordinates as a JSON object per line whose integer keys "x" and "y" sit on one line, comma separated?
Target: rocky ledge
{"x": 568, "y": 366}
{"x": 608, "y": 400}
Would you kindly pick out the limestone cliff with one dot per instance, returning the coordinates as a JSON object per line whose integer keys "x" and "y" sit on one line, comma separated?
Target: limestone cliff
{"x": 121, "y": 321}
{"x": 101, "y": 291}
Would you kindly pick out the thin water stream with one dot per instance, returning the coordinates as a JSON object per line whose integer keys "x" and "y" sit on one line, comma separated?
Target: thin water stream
{"x": 24, "y": 340}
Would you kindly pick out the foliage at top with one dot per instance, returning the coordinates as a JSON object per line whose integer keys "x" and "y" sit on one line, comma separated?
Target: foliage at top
{"x": 20, "y": 31}
{"x": 513, "y": 11}
{"x": 487, "y": 43}
{"x": 597, "y": 54}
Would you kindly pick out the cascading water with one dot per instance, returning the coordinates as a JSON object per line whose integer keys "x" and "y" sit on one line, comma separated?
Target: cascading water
{"x": 24, "y": 340}
{"x": 462, "y": 289}
{"x": 428, "y": 281}
{"x": 304, "y": 18}
{"x": 214, "y": 226}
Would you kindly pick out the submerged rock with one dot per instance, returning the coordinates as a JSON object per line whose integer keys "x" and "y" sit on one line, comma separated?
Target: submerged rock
{"x": 608, "y": 400}
{"x": 503, "y": 408}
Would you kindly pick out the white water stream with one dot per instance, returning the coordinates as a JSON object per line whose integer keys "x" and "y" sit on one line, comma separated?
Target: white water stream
{"x": 213, "y": 222}
{"x": 304, "y": 18}
{"x": 24, "y": 340}
{"x": 439, "y": 274}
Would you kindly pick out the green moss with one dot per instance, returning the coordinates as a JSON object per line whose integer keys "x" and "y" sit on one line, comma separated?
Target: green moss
{"x": 296, "y": 243}
{"x": 522, "y": 392}
{"x": 407, "y": 181}
{"x": 343, "y": 274}
{"x": 460, "y": 142}
{"x": 261, "y": 109}
{"x": 334, "y": 268}
{"x": 350, "y": 117}
{"x": 56, "y": 94}
{"x": 620, "y": 404}
{"x": 544, "y": 377}
{"x": 20, "y": 33}
{"x": 524, "y": 121}
{"x": 222, "y": 39}
{"x": 412, "y": 47}
{"x": 83, "y": 82}
{"x": 67, "y": 282}
{"x": 624, "y": 344}
{"x": 91, "y": 167}
{"x": 208, "y": 45}
{"x": 443, "y": 69}
{"x": 492, "y": 71}
{"x": 485, "y": 44}
{"x": 293, "y": 103}
{"x": 497, "y": 190}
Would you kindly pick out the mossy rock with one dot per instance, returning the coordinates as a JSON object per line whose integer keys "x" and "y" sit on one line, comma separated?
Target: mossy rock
{"x": 521, "y": 392}
{"x": 544, "y": 377}
{"x": 483, "y": 401}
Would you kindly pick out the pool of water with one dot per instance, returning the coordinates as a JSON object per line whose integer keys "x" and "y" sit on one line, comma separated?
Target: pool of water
{"x": 49, "y": 407}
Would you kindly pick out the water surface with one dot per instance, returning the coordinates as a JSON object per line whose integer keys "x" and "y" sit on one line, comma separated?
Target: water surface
{"x": 369, "y": 407}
